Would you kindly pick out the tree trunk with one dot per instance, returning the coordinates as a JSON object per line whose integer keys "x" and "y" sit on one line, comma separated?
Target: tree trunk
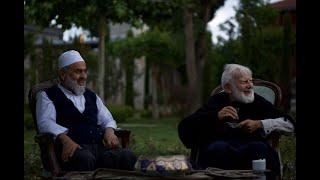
{"x": 101, "y": 62}
{"x": 286, "y": 65}
{"x": 191, "y": 60}
{"x": 154, "y": 92}
{"x": 202, "y": 48}
{"x": 147, "y": 89}
{"x": 129, "y": 90}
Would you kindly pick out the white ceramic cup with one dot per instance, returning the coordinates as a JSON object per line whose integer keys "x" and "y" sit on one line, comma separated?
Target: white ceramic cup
{"x": 259, "y": 165}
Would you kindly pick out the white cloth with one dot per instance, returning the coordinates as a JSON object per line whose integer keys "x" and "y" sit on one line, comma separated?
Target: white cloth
{"x": 278, "y": 124}
{"x": 46, "y": 112}
{"x": 69, "y": 57}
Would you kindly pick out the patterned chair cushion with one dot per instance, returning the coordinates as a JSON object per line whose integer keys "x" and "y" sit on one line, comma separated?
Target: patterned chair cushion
{"x": 163, "y": 165}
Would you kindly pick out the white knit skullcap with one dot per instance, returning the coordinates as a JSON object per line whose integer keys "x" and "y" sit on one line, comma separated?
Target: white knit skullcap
{"x": 69, "y": 57}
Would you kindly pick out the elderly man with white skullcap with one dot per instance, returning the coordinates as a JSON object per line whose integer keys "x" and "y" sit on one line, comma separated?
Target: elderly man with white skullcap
{"x": 82, "y": 125}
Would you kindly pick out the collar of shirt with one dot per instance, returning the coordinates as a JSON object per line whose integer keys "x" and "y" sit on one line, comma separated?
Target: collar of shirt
{"x": 78, "y": 101}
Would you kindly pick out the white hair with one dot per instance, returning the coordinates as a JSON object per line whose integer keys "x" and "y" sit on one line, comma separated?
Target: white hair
{"x": 230, "y": 70}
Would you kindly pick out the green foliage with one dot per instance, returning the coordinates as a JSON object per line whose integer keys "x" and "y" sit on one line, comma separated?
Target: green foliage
{"x": 165, "y": 15}
{"x": 65, "y": 13}
{"x": 268, "y": 54}
{"x": 288, "y": 155}
{"x": 121, "y": 113}
{"x": 32, "y": 161}
{"x": 158, "y": 47}
{"x": 261, "y": 40}
{"x": 32, "y": 165}
{"x": 260, "y": 44}
{"x": 92, "y": 15}
{"x": 28, "y": 121}
{"x": 145, "y": 113}
{"x": 134, "y": 12}
{"x": 162, "y": 50}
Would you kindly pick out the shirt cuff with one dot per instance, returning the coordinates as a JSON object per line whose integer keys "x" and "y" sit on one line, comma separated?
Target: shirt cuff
{"x": 279, "y": 124}
{"x": 112, "y": 125}
{"x": 59, "y": 131}
{"x": 267, "y": 126}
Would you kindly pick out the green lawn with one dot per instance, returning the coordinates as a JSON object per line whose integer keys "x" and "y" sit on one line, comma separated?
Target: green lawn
{"x": 153, "y": 137}
{"x": 159, "y": 139}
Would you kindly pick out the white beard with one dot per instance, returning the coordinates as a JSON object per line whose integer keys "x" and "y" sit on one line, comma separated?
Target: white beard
{"x": 241, "y": 97}
{"x": 73, "y": 85}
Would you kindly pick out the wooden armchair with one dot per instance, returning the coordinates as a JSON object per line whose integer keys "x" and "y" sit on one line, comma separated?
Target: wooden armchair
{"x": 271, "y": 92}
{"x": 46, "y": 142}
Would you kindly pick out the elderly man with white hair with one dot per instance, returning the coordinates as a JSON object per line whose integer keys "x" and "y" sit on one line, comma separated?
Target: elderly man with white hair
{"x": 226, "y": 146}
{"x": 82, "y": 125}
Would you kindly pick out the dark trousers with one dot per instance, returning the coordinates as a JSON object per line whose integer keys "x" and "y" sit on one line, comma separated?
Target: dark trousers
{"x": 93, "y": 156}
{"x": 233, "y": 154}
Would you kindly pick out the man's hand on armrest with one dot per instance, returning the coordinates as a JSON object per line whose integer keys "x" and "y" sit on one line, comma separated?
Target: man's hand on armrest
{"x": 110, "y": 139}
{"x": 68, "y": 146}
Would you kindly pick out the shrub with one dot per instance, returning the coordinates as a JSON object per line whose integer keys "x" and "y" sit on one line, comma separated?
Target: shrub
{"x": 145, "y": 113}
{"x": 32, "y": 164}
{"x": 288, "y": 155}
{"x": 121, "y": 113}
{"x": 33, "y": 169}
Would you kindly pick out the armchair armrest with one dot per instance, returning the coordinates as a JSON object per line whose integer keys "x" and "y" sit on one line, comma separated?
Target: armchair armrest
{"x": 44, "y": 138}
{"x": 274, "y": 140}
{"x": 48, "y": 155}
{"x": 124, "y": 136}
{"x": 194, "y": 157}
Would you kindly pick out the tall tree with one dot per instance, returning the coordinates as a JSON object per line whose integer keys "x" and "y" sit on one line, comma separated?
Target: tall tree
{"x": 189, "y": 18}
{"x": 288, "y": 44}
{"x": 161, "y": 53}
{"x": 196, "y": 16}
{"x": 256, "y": 26}
{"x": 261, "y": 45}
{"x": 92, "y": 15}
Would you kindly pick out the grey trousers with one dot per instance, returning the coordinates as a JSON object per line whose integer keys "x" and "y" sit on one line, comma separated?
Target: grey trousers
{"x": 93, "y": 156}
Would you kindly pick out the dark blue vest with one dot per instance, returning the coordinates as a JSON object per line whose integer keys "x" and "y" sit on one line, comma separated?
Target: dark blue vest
{"x": 83, "y": 128}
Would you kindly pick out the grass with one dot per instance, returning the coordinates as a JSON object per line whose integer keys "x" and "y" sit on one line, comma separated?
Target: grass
{"x": 159, "y": 139}
{"x": 32, "y": 162}
{"x": 29, "y": 144}
{"x": 288, "y": 155}
{"x": 153, "y": 137}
